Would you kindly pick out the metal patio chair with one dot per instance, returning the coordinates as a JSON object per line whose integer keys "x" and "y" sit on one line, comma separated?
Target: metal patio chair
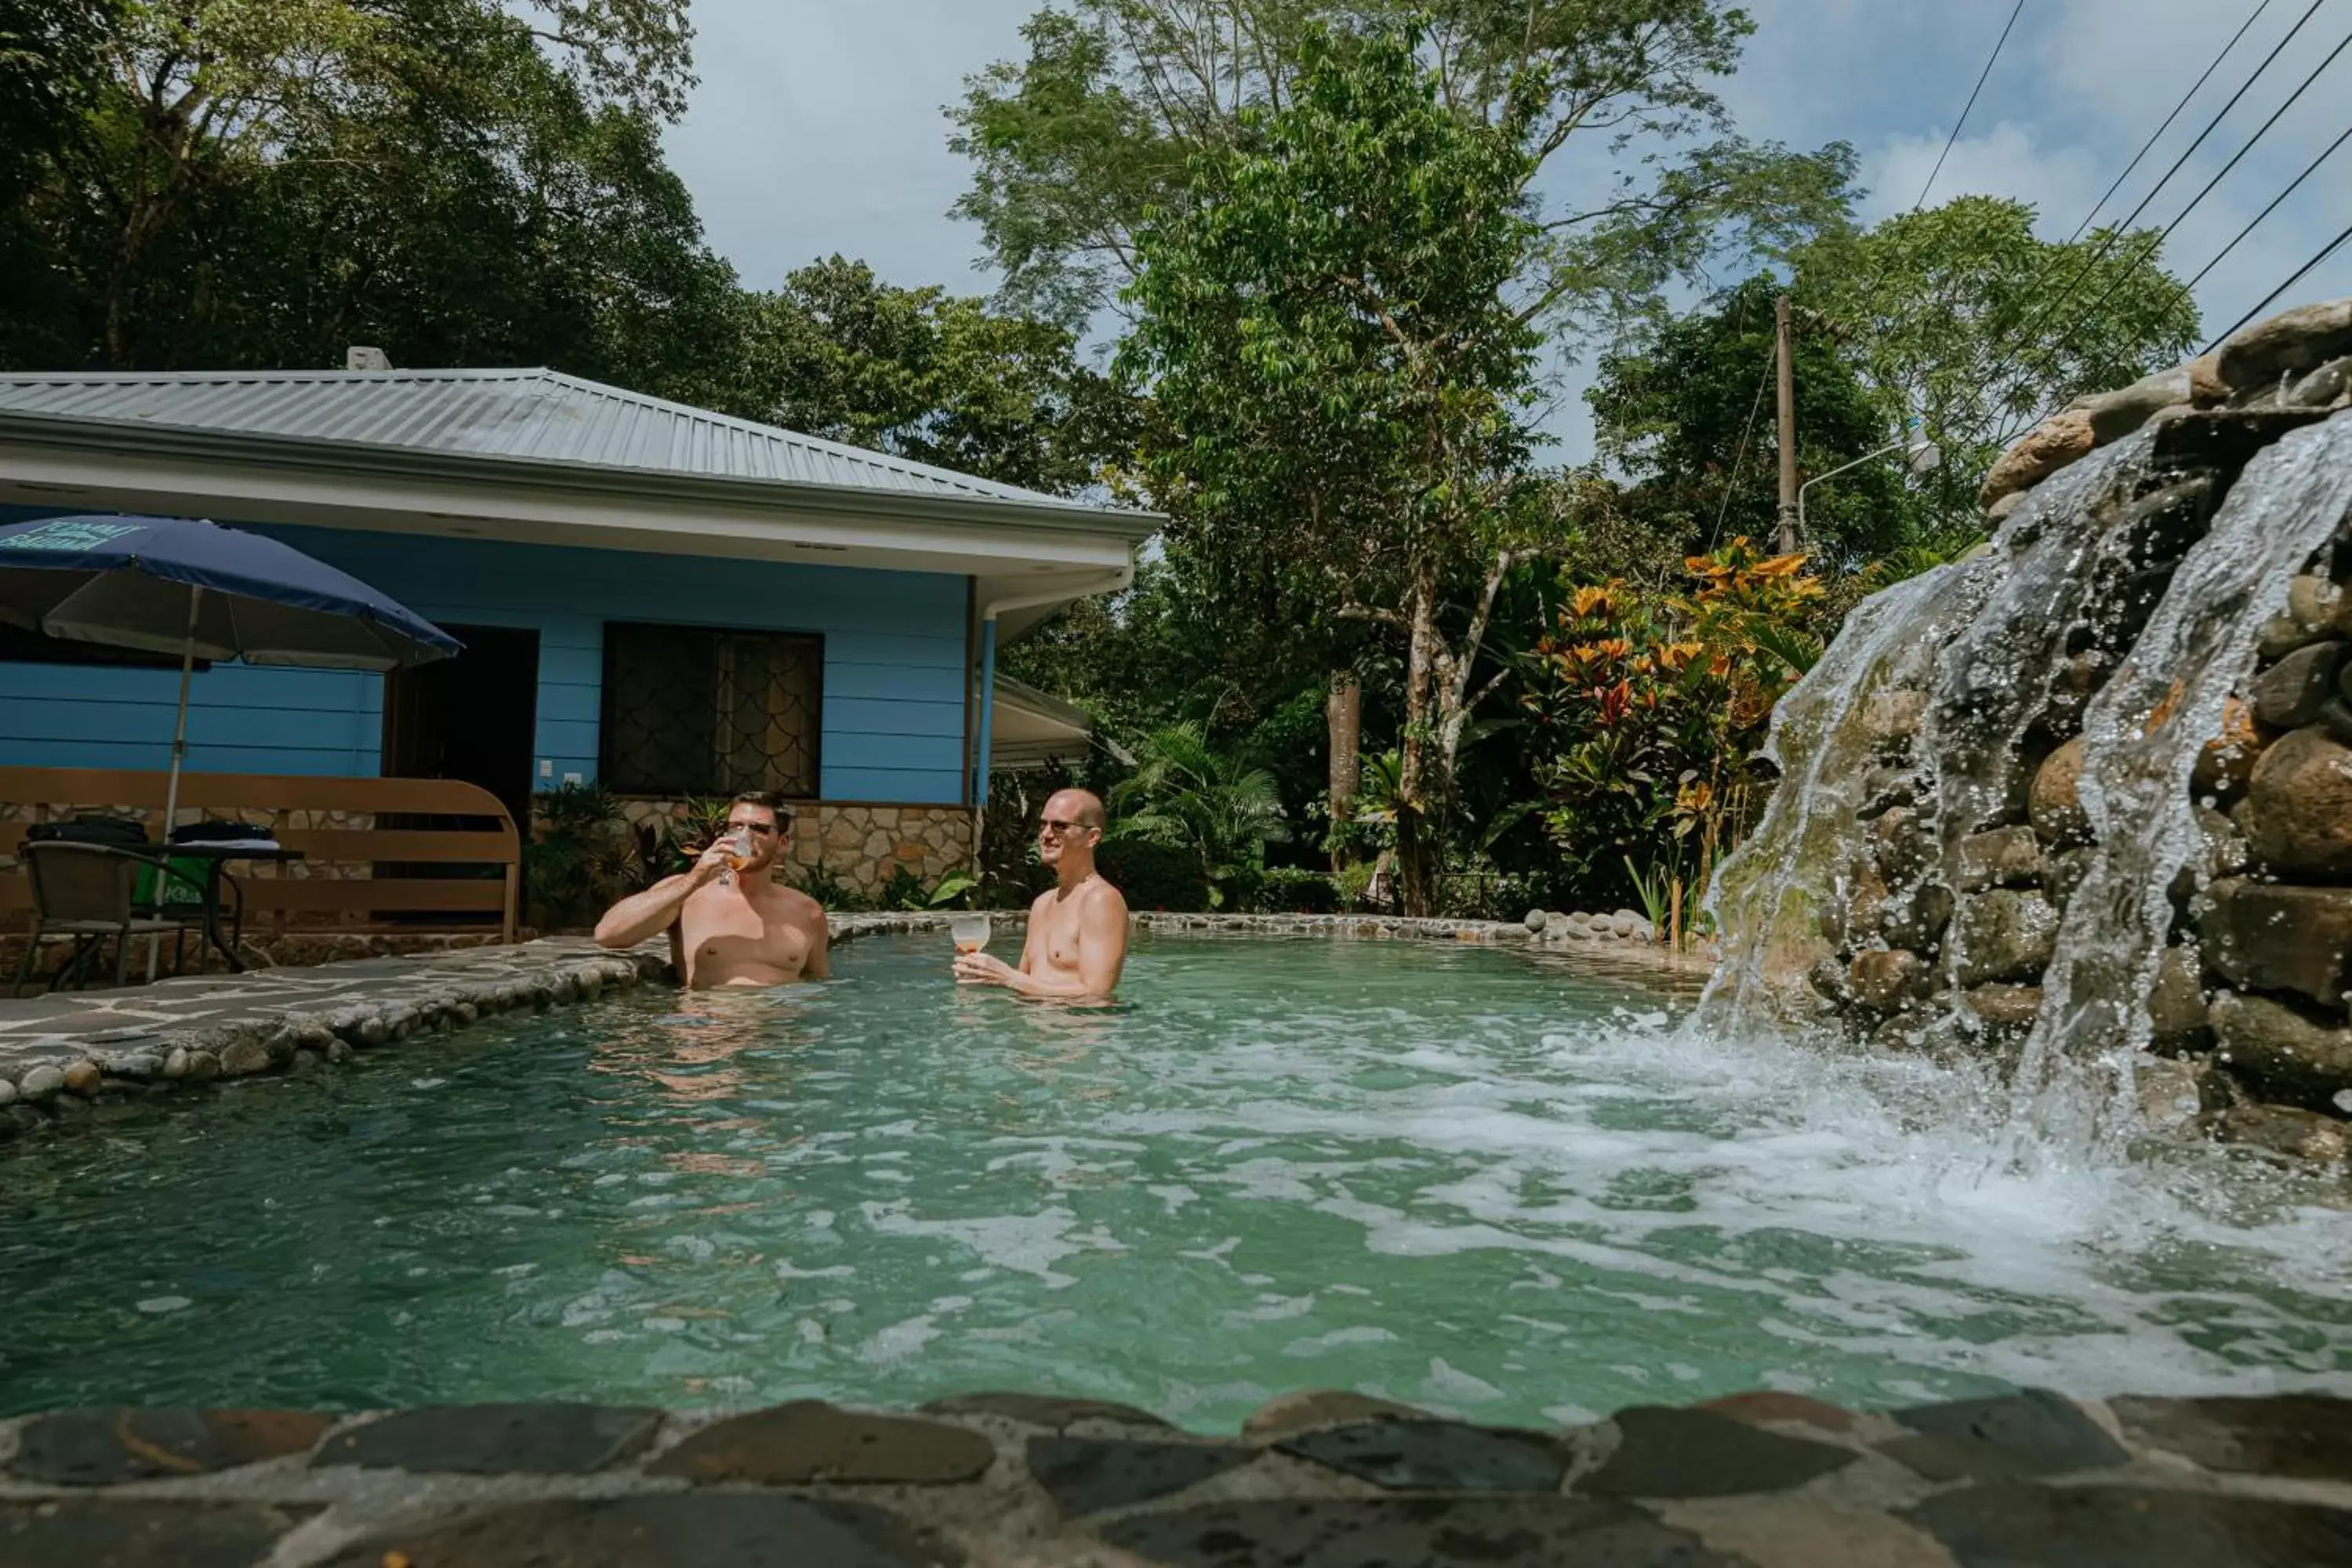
{"x": 85, "y": 891}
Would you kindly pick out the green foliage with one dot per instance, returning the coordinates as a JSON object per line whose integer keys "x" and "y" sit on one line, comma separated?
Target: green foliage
{"x": 1644, "y": 710}
{"x": 580, "y": 860}
{"x": 829, "y": 891}
{"x": 1187, "y": 795}
{"x": 1687, "y": 414}
{"x": 460, "y": 182}
{"x": 1074, "y": 147}
{"x": 1154, "y": 876}
{"x": 932, "y": 377}
{"x": 1960, "y": 315}
{"x": 1295, "y": 890}
{"x": 904, "y": 889}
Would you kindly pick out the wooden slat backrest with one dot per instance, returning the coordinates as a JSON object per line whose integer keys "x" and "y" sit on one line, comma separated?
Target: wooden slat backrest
{"x": 303, "y": 889}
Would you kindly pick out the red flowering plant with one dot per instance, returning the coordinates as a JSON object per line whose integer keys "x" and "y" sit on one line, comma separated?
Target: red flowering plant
{"x": 1644, "y": 710}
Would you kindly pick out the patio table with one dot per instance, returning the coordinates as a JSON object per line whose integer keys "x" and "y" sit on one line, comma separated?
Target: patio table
{"x": 216, "y": 854}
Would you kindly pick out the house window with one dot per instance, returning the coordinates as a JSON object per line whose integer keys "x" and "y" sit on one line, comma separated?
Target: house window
{"x": 690, "y": 710}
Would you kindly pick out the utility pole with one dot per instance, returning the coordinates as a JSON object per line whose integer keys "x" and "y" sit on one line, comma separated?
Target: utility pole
{"x": 1787, "y": 378}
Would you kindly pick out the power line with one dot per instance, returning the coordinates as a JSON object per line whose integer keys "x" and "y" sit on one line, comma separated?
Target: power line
{"x": 1740, "y": 461}
{"x": 1878, "y": 277}
{"x": 2297, "y": 276}
{"x": 2051, "y": 302}
{"x": 2152, "y": 246}
{"x": 2158, "y": 134}
{"x": 1951, "y": 141}
{"x": 2308, "y": 171}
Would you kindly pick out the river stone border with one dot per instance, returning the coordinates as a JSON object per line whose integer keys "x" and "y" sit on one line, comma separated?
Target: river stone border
{"x": 65, "y": 1055}
{"x": 1316, "y": 1479}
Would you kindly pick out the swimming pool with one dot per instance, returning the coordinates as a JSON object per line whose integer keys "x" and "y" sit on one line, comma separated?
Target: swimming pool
{"x": 1449, "y": 1175}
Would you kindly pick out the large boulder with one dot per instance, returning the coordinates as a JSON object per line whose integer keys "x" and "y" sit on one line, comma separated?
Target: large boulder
{"x": 2055, "y": 802}
{"x": 2290, "y": 693}
{"x": 2005, "y": 934}
{"x": 2003, "y": 858}
{"x": 2263, "y": 356}
{"x": 1887, "y": 979}
{"x": 2281, "y": 1130}
{"x": 2276, "y": 936}
{"x": 2178, "y": 1017}
{"x": 2298, "y": 808}
{"x": 2284, "y": 1054}
{"x": 2114, "y": 414}
{"x": 2040, "y": 452}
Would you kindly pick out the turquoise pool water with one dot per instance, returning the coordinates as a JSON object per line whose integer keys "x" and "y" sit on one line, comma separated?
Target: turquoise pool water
{"x": 1445, "y": 1175}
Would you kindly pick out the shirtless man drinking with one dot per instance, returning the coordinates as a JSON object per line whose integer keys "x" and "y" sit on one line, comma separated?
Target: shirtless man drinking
{"x": 1078, "y": 929}
{"x": 747, "y": 929}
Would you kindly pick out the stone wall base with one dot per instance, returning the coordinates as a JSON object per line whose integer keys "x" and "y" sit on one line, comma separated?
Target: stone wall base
{"x": 859, "y": 847}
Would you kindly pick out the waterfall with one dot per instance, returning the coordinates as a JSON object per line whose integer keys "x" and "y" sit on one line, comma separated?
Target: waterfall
{"x": 1992, "y": 818}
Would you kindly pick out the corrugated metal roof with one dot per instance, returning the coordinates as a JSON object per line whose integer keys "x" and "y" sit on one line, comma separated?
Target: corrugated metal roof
{"x": 535, "y": 416}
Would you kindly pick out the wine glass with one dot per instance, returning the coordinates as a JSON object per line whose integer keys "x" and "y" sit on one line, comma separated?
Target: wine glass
{"x": 736, "y": 845}
{"x": 970, "y": 931}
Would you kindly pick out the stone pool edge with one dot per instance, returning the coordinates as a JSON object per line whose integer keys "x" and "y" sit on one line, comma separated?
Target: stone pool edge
{"x": 65, "y": 1056}
{"x": 1018, "y": 1480}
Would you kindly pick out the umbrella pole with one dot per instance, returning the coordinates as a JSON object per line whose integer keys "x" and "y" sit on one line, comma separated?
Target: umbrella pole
{"x": 179, "y": 756}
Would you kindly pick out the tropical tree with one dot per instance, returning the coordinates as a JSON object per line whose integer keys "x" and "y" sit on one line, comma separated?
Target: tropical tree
{"x": 264, "y": 182}
{"x": 1683, "y": 413}
{"x": 1075, "y": 147}
{"x": 1960, "y": 316}
{"x": 1342, "y": 385}
{"x": 933, "y": 376}
{"x": 1185, "y": 794}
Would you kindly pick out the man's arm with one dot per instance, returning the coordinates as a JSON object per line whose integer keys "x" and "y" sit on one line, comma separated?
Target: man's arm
{"x": 1102, "y": 954}
{"x": 819, "y": 963}
{"x": 641, "y": 915}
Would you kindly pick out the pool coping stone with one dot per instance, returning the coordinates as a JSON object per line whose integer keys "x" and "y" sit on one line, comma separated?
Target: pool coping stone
{"x": 978, "y": 1485}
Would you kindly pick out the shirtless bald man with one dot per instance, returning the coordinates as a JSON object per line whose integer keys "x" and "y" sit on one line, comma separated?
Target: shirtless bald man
{"x": 1078, "y": 929}
{"x": 744, "y": 930}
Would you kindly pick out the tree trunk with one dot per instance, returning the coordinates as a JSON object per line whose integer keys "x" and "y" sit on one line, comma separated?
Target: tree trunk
{"x": 1416, "y": 847}
{"x": 1343, "y": 717}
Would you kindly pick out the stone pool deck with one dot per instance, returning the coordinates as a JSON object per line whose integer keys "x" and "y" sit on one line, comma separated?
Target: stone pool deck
{"x": 1315, "y": 1480}
{"x": 66, "y": 1054}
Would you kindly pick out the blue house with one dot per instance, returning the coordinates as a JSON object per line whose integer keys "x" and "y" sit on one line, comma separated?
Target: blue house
{"x": 667, "y": 600}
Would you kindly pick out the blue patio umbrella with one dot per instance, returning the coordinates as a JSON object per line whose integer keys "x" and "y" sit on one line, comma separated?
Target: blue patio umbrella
{"x": 186, "y": 587}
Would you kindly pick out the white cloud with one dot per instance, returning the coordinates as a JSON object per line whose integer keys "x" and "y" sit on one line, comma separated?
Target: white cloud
{"x": 2060, "y": 183}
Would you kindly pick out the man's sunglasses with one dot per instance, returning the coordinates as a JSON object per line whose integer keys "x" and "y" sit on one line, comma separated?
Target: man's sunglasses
{"x": 1057, "y": 828}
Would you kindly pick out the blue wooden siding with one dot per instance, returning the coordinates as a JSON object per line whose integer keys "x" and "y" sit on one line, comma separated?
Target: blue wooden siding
{"x": 894, "y": 665}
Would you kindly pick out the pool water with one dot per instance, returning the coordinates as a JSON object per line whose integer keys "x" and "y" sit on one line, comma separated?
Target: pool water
{"x": 1448, "y": 1175}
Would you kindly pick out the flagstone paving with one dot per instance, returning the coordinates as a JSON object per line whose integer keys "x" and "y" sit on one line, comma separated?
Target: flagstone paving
{"x": 1014, "y": 1480}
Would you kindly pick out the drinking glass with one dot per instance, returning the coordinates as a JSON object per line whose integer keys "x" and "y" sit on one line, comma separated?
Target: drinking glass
{"x": 970, "y": 931}
{"x": 737, "y": 847}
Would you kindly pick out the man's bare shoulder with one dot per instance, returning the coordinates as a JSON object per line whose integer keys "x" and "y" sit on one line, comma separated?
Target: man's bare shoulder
{"x": 1043, "y": 901}
{"x": 798, "y": 906}
{"x": 1104, "y": 899}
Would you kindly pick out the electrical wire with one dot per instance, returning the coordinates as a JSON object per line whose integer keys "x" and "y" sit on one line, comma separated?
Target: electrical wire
{"x": 2158, "y": 134}
{"x": 1953, "y": 139}
{"x": 1740, "y": 461}
{"x": 2051, "y": 302}
{"x": 2297, "y": 276}
{"x": 2309, "y": 170}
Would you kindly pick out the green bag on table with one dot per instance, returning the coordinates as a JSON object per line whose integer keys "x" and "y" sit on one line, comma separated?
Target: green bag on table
{"x": 182, "y": 889}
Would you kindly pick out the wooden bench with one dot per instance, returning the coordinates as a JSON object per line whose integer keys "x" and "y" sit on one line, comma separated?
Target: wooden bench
{"x": 342, "y": 883}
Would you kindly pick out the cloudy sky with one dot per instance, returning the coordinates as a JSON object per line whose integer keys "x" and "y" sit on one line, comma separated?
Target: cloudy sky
{"x": 817, "y": 126}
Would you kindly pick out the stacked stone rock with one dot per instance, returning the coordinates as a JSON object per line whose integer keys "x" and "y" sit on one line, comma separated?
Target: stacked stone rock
{"x": 1315, "y": 1480}
{"x": 1555, "y": 929}
{"x": 2249, "y": 1007}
